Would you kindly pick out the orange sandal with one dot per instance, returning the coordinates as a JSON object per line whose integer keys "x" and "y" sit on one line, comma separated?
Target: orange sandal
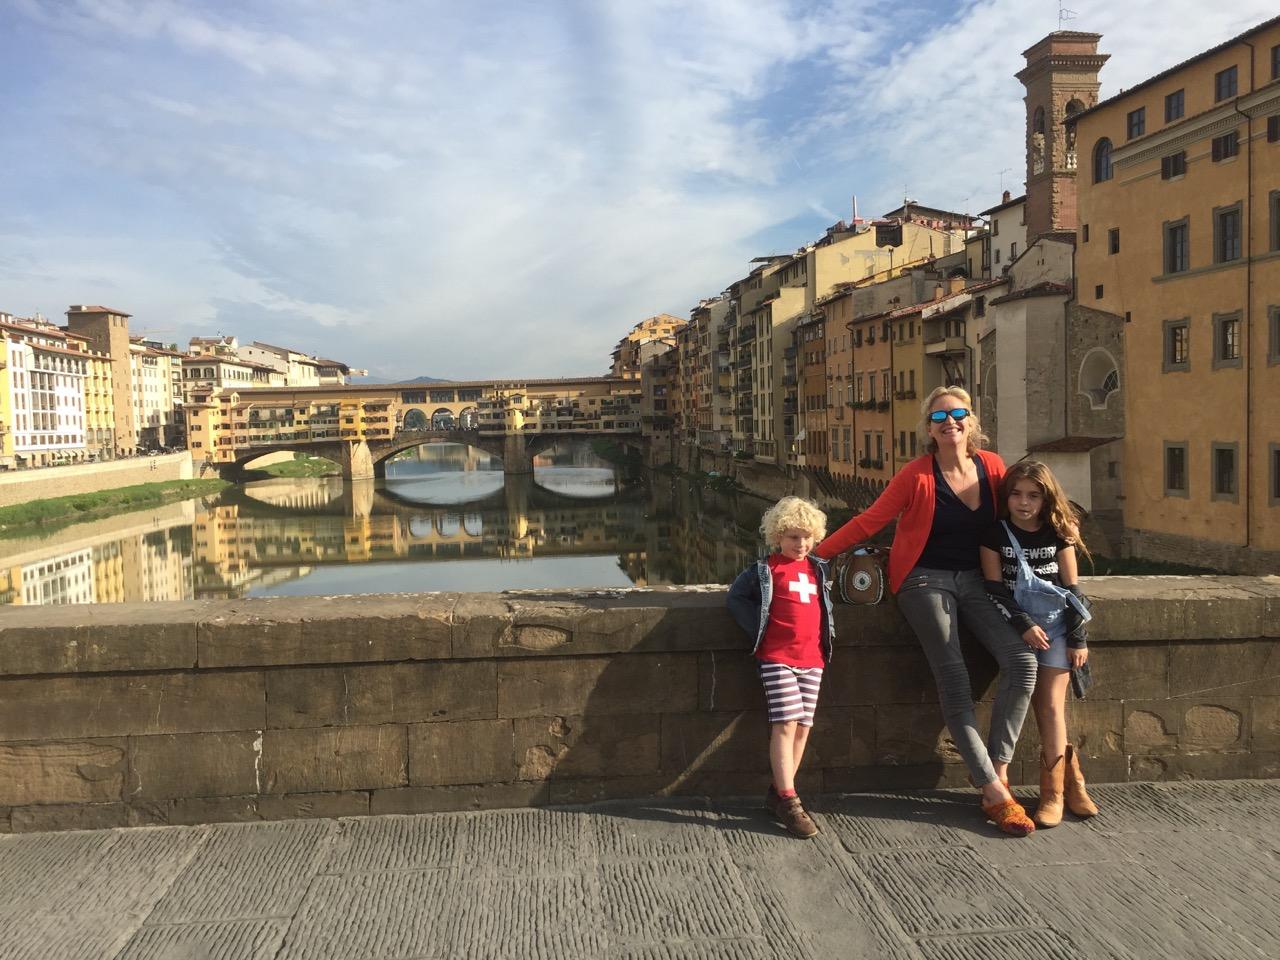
{"x": 1009, "y": 816}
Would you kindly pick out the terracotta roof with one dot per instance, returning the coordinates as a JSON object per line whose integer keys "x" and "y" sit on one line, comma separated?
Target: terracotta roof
{"x": 1070, "y": 444}
{"x": 32, "y": 330}
{"x": 1172, "y": 70}
{"x": 90, "y": 308}
{"x": 1042, "y": 289}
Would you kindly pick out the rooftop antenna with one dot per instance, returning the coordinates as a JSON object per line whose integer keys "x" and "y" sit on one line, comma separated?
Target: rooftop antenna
{"x": 1064, "y": 15}
{"x": 1002, "y": 173}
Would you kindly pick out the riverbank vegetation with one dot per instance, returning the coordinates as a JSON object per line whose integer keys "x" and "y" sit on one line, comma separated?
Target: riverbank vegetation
{"x": 300, "y": 466}
{"x": 41, "y": 516}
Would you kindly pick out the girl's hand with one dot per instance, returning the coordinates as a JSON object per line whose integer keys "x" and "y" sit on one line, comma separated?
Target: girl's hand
{"x": 1077, "y": 658}
{"x": 1036, "y": 638}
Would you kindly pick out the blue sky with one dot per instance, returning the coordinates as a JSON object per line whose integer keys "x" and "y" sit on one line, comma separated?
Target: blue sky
{"x": 495, "y": 188}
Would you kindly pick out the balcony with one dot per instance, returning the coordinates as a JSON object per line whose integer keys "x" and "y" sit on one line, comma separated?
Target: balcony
{"x": 789, "y": 380}
{"x": 789, "y": 353}
{"x": 744, "y": 363}
{"x": 941, "y": 346}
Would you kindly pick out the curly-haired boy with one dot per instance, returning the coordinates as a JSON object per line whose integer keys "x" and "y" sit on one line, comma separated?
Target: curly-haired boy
{"x": 783, "y": 602}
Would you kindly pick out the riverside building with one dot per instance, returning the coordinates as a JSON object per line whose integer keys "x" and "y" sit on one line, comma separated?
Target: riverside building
{"x": 44, "y": 387}
{"x": 1179, "y": 238}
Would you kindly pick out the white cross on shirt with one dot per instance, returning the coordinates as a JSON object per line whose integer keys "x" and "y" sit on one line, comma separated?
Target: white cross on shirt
{"x": 803, "y": 587}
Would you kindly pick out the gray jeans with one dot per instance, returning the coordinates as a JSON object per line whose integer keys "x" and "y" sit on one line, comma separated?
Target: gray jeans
{"x": 935, "y": 602}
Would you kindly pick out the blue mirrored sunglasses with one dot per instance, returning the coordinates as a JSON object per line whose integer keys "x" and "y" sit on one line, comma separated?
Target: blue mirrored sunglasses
{"x": 940, "y": 416}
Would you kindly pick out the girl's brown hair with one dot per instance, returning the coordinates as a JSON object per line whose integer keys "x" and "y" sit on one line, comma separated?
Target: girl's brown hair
{"x": 1057, "y": 511}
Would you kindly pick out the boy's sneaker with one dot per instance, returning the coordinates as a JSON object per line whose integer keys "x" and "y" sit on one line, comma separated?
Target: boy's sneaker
{"x": 797, "y": 821}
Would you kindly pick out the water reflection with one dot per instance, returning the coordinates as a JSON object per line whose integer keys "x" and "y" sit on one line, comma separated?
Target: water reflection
{"x": 445, "y": 519}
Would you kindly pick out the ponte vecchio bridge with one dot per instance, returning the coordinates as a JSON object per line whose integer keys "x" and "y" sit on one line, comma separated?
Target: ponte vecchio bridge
{"x": 361, "y": 426}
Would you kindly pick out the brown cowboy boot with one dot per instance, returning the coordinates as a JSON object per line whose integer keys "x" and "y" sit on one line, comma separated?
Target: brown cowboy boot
{"x": 1077, "y": 797}
{"x": 1049, "y": 809}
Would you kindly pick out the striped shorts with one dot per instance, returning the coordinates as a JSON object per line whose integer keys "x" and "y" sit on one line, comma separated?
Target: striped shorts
{"x": 791, "y": 693}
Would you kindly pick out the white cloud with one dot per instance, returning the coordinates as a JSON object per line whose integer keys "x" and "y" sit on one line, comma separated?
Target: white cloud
{"x": 501, "y": 189}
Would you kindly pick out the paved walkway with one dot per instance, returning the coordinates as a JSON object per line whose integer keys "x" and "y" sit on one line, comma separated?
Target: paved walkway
{"x": 1168, "y": 871}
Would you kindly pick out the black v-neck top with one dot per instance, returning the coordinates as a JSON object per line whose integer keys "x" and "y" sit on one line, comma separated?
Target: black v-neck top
{"x": 957, "y": 531}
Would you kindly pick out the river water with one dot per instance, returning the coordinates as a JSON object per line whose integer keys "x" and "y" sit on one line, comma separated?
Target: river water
{"x": 444, "y": 519}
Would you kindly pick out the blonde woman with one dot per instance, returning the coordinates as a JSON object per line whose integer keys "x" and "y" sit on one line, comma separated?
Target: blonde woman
{"x": 783, "y": 603}
{"x": 944, "y": 502}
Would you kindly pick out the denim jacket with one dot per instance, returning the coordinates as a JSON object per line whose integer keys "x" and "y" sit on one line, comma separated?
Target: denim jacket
{"x": 752, "y": 593}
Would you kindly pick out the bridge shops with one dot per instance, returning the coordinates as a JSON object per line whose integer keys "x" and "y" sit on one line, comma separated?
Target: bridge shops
{"x": 361, "y": 426}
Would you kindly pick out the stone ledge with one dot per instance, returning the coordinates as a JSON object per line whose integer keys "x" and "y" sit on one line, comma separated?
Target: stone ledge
{"x": 222, "y": 634}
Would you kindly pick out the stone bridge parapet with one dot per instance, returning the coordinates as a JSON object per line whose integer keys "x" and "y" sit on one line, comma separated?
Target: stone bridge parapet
{"x": 327, "y": 706}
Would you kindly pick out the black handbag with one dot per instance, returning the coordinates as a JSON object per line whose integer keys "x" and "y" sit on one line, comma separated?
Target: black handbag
{"x": 861, "y": 574}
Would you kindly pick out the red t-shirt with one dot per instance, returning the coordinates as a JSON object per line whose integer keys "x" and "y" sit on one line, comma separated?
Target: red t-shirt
{"x": 793, "y": 634}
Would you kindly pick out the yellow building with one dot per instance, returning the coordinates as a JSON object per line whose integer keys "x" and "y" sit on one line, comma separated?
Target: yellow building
{"x": 99, "y": 399}
{"x": 1179, "y": 234}
{"x": 6, "y": 416}
{"x": 645, "y": 338}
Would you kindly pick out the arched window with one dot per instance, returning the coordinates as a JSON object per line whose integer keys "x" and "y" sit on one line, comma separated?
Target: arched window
{"x": 1037, "y": 121}
{"x": 1073, "y": 107}
{"x": 1099, "y": 377}
{"x": 1102, "y": 161}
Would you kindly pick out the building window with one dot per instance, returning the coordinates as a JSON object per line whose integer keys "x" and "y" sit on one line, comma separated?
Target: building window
{"x": 1113, "y": 240}
{"x": 1273, "y": 128}
{"x": 1013, "y": 251}
{"x": 1037, "y": 121}
{"x": 1097, "y": 292}
{"x": 1174, "y": 165}
{"x": 1175, "y": 470}
{"x": 1177, "y": 247}
{"x": 1174, "y": 106}
{"x": 1223, "y": 456}
{"x": 1224, "y": 84}
{"x": 1102, "y": 161}
{"x": 1226, "y": 234}
{"x": 980, "y": 303}
{"x": 1084, "y": 233}
{"x": 1225, "y": 146}
{"x": 1273, "y": 455}
{"x": 997, "y": 255}
{"x": 1137, "y": 122}
{"x": 1273, "y": 335}
{"x": 1226, "y": 340}
{"x": 1177, "y": 345}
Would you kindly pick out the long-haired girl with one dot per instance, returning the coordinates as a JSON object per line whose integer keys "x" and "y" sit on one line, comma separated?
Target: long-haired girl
{"x": 1040, "y": 528}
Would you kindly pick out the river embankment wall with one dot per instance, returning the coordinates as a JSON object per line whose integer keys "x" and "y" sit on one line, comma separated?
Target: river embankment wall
{"x": 327, "y": 706}
{"x": 23, "y": 486}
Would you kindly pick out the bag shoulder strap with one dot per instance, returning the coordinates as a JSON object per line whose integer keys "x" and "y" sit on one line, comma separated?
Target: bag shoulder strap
{"x": 1024, "y": 568}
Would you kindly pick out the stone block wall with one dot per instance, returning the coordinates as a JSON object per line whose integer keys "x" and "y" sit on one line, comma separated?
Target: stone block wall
{"x": 295, "y": 707}
{"x": 20, "y": 486}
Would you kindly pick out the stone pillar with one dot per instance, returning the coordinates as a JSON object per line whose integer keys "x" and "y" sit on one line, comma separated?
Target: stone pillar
{"x": 515, "y": 455}
{"x": 357, "y": 463}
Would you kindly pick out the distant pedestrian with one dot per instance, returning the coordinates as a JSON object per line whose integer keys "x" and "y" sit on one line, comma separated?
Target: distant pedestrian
{"x": 1029, "y": 563}
{"x": 944, "y": 501}
{"x": 783, "y": 603}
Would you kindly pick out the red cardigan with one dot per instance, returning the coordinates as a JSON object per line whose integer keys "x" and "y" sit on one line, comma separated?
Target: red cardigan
{"x": 911, "y": 495}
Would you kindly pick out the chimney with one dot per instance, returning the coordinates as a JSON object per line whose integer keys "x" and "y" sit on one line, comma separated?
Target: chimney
{"x": 1006, "y": 197}
{"x": 937, "y": 291}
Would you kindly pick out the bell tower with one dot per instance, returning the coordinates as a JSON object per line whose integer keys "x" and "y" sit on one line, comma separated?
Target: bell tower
{"x": 1061, "y": 78}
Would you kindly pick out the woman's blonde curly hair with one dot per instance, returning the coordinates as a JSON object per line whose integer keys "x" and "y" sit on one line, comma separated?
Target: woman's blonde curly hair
{"x": 792, "y": 513}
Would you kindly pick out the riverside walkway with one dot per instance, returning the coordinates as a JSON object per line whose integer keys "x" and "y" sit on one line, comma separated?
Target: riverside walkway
{"x": 1183, "y": 870}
